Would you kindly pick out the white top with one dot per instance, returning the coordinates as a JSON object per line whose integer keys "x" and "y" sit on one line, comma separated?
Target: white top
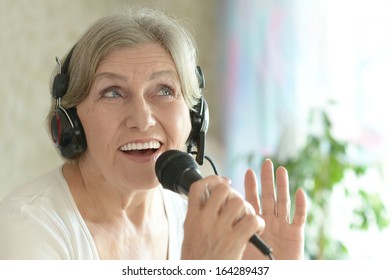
{"x": 40, "y": 220}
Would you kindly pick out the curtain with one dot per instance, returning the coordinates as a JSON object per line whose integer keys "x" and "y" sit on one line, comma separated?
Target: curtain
{"x": 280, "y": 59}
{"x": 257, "y": 78}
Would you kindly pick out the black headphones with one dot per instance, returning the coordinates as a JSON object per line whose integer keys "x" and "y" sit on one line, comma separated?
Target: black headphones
{"x": 66, "y": 129}
{"x": 199, "y": 122}
{"x": 68, "y": 134}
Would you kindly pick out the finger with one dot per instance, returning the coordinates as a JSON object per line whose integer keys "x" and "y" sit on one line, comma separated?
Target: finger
{"x": 251, "y": 191}
{"x": 248, "y": 226}
{"x": 267, "y": 188}
{"x": 300, "y": 208}
{"x": 219, "y": 193}
{"x": 200, "y": 190}
{"x": 282, "y": 194}
{"x": 233, "y": 211}
{"x": 197, "y": 196}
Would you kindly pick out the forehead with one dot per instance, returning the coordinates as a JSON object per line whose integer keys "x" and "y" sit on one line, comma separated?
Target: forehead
{"x": 137, "y": 58}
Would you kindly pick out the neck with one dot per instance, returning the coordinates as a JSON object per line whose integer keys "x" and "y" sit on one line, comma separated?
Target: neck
{"x": 97, "y": 200}
{"x": 125, "y": 222}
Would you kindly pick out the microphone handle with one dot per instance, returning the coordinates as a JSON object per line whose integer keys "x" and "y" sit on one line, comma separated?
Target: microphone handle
{"x": 261, "y": 245}
{"x": 188, "y": 176}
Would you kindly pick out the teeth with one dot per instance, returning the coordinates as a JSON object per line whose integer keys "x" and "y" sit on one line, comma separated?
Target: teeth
{"x": 140, "y": 146}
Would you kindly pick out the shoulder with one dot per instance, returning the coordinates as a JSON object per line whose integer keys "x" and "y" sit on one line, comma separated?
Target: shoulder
{"x": 49, "y": 192}
{"x": 31, "y": 218}
{"x": 35, "y": 189}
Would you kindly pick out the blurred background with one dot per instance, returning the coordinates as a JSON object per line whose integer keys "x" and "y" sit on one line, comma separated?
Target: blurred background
{"x": 304, "y": 83}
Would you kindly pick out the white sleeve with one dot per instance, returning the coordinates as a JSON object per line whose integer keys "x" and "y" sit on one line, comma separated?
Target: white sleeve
{"x": 31, "y": 235}
{"x": 176, "y": 210}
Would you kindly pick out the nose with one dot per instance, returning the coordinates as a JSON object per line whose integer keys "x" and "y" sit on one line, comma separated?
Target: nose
{"x": 140, "y": 115}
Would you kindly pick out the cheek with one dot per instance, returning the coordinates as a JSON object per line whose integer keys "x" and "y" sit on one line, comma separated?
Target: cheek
{"x": 188, "y": 126}
{"x": 94, "y": 123}
{"x": 179, "y": 126}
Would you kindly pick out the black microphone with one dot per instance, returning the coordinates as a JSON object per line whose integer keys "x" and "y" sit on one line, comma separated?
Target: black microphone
{"x": 177, "y": 170}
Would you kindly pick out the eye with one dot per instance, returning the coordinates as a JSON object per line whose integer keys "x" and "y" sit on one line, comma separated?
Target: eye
{"x": 163, "y": 94}
{"x": 166, "y": 91}
{"x": 111, "y": 93}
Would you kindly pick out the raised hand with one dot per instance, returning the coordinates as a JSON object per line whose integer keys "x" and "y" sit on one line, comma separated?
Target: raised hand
{"x": 285, "y": 237}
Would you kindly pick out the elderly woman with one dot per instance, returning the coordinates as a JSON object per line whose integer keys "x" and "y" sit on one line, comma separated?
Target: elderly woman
{"x": 123, "y": 96}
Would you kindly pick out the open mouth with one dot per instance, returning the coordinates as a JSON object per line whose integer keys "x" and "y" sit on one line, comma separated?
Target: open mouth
{"x": 140, "y": 149}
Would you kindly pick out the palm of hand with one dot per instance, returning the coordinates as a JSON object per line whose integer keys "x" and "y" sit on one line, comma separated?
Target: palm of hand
{"x": 284, "y": 237}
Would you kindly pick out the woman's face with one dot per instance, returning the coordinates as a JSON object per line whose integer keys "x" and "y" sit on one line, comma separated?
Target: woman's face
{"x": 134, "y": 111}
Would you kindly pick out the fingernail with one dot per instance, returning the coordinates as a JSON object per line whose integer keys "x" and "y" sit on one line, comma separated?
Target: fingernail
{"x": 261, "y": 221}
{"x": 228, "y": 180}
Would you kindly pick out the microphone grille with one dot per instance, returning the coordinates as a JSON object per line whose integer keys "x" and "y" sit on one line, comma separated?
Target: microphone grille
{"x": 170, "y": 166}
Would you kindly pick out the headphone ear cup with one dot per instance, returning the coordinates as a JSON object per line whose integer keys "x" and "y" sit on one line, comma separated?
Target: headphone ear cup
{"x": 199, "y": 123}
{"x": 200, "y": 117}
{"x": 67, "y": 132}
{"x": 56, "y": 127}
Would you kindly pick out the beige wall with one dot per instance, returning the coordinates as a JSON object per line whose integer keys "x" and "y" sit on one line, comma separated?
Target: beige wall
{"x": 32, "y": 34}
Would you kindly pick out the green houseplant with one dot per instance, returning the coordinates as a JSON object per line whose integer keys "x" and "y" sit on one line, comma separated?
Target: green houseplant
{"x": 320, "y": 167}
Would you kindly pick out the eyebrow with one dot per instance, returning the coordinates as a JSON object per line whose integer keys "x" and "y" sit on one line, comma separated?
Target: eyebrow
{"x": 111, "y": 75}
{"x": 162, "y": 73}
{"x": 154, "y": 75}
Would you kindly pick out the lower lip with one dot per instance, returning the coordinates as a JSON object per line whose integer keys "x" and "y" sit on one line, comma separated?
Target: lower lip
{"x": 142, "y": 158}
